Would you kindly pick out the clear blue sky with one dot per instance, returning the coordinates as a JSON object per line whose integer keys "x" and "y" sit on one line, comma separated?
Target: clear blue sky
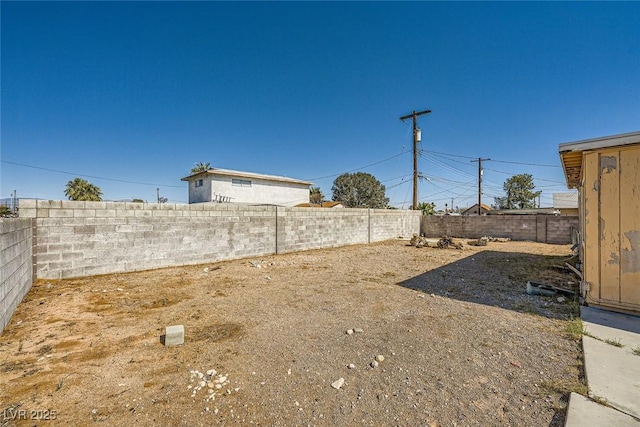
{"x": 141, "y": 91}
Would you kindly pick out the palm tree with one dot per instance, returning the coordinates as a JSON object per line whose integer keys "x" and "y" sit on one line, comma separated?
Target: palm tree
{"x": 81, "y": 189}
{"x": 315, "y": 195}
{"x": 200, "y": 167}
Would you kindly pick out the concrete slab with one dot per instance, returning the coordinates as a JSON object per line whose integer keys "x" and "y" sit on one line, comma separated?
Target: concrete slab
{"x": 613, "y": 373}
{"x": 584, "y": 412}
{"x": 174, "y": 335}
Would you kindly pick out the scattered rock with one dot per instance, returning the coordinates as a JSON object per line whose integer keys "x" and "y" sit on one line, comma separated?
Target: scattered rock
{"x": 351, "y": 366}
{"x": 374, "y": 364}
{"x": 338, "y": 384}
{"x": 380, "y": 358}
{"x": 206, "y": 269}
{"x": 349, "y": 331}
{"x": 517, "y": 364}
{"x": 358, "y": 330}
{"x": 561, "y": 299}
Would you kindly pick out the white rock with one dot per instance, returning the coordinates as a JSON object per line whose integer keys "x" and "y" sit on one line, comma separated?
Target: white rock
{"x": 374, "y": 364}
{"x": 358, "y": 330}
{"x": 202, "y": 384}
{"x": 349, "y": 331}
{"x": 338, "y": 383}
{"x": 380, "y": 358}
{"x": 351, "y": 366}
{"x": 222, "y": 379}
{"x": 211, "y": 372}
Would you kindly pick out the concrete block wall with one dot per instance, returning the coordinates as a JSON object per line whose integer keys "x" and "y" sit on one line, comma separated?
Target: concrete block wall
{"x": 536, "y": 228}
{"x": 16, "y": 264}
{"x": 87, "y": 238}
{"x": 313, "y": 228}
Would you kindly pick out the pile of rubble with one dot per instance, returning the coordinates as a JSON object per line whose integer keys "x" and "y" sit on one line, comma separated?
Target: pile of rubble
{"x": 211, "y": 381}
{"x": 445, "y": 242}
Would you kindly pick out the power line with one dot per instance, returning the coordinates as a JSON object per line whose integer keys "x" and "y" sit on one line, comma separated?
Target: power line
{"x": 499, "y": 161}
{"x": 361, "y": 167}
{"x": 88, "y": 176}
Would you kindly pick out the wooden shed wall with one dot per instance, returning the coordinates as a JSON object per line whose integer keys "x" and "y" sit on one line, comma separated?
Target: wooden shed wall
{"x": 610, "y": 195}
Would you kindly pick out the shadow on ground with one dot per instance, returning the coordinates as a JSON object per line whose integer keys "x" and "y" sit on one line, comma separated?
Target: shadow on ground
{"x": 500, "y": 279}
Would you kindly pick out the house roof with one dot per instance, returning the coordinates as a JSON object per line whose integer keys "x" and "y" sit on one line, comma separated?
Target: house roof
{"x": 571, "y": 153}
{"x": 240, "y": 174}
{"x": 475, "y": 207}
{"x": 319, "y": 205}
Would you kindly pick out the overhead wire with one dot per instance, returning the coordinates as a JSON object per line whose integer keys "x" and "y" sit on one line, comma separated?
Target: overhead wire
{"x": 89, "y": 176}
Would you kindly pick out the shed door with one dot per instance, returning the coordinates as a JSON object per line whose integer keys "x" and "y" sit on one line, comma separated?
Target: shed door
{"x": 612, "y": 213}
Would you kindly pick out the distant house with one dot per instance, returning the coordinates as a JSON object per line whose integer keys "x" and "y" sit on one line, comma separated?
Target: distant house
{"x": 566, "y": 203}
{"x": 329, "y": 205}
{"x": 230, "y": 186}
{"x": 473, "y": 210}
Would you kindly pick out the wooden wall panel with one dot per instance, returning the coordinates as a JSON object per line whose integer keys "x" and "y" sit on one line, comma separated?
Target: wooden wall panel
{"x": 630, "y": 226}
{"x": 609, "y": 168}
{"x": 591, "y": 253}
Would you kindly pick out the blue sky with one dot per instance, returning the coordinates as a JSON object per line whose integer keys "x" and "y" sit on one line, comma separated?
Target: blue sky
{"x": 137, "y": 92}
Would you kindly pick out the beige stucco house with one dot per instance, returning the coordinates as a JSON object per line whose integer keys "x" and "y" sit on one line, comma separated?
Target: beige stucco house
{"x": 606, "y": 172}
{"x": 229, "y": 186}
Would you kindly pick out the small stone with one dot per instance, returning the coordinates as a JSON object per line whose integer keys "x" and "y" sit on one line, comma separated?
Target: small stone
{"x": 199, "y": 374}
{"x": 433, "y": 295}
{"x": 380, "y": 358}
{"x": 561, "y": 299}
{"x": 338, "y": 383}
{"x": 222, "y": 379}
{"x": 358, "y": 330}
{"x": 211, "y": 372}
{"x": 349, "y": 331}
{"x": 374, "y": 364}
{"x": 202, "y": 384}
{"x": 351, "y": 366}
{"x": 206, "y": 270}
{"x": 210, "y": 385}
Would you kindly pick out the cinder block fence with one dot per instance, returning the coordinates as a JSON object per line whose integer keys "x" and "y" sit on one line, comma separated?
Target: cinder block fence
{"x": 535, "y": 228}
{"x": 75, "y": 239}
{"x": 16, "y": 264}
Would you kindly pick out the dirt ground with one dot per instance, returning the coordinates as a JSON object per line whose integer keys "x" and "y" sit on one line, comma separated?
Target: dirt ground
{"x": 462, "y": 343}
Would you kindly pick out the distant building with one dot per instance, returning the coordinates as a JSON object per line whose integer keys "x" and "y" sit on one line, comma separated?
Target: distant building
{"x": 473, "y": 210}
{"x": 566, "y": 203}
{"x": 229, "y": 186}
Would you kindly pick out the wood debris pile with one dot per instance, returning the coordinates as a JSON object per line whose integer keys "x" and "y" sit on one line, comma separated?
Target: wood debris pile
{"x": 443, "y": 243}
{"x": 483, "y": 241}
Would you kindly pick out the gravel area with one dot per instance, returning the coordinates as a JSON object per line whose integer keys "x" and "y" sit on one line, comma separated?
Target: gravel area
{"x": 380, "y": 334}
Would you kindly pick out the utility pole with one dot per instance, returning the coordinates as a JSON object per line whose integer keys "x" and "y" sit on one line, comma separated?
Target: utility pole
{"x": 479, "y": 182}
{"x": 158, "y": 194}
{"x": 416, "y": 130}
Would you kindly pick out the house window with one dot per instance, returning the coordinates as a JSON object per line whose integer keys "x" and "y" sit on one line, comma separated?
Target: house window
{"x": 199, "y": 183}
{"x": 240, "y": 182}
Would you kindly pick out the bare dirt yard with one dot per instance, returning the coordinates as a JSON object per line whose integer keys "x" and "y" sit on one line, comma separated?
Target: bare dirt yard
{"x": 461, "y": 342}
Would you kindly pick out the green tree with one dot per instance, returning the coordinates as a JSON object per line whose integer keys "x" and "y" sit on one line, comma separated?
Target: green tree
{"x": 200, "y": 167}
{"x": 4, "y": 210}
{"x": 138, "y": 201}
{"x": 83, "y": 190}
{"x": 315, "y": 195}
{"x": 427, "y": 208}
{"x": 519, "y": 193}
{"x": 359, "y": 190}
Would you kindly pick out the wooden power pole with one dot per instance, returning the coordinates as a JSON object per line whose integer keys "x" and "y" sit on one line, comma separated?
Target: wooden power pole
{"x": 479, "y": 182}
{"x": 414, "y": 117}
